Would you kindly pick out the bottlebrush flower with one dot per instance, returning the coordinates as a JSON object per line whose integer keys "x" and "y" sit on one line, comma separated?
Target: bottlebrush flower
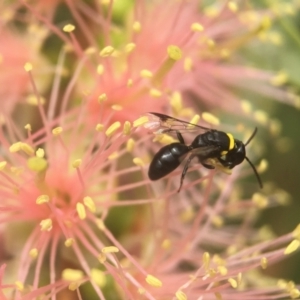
{"x": 136, "y": 59}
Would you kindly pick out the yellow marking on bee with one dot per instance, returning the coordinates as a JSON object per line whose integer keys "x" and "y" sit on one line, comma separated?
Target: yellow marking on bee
{"x": 224, "y": 153}
{"x": 231, "y": 141}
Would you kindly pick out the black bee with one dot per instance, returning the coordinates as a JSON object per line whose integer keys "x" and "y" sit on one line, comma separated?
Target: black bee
{"x": 212, "y": 144}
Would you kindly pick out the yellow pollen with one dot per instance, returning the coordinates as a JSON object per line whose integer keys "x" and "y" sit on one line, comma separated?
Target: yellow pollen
{"x": 166, "y": 244}
{"x": 34, "y": 252}
{"x": 141, "y": 121}
{"x": 40, "y": 153}
{"x": 126, "y": 128}
{"x": 112, "y": 129}
{"x": 263, "y": 166}
{"x": 90, "y": 50}
{"x": 46, "y": 224}
{"x": 180, "y": 295}
{"x": 27, "y": 149}
{"x": 260, "y": 200}
{"x": 2, "y": 165}
{"x": 110, "y": 249}
{"x": 76, "y": 163}
{"x": 188, "y": 64}
{"x": 90, "y": 204}
{"x": 137, "y": 26}
{"x": 69, "y": 28}
{"x": 232, "y": 6}
{"x": 28, "y": 67}
{"x": 69, "y": 242}
{"x": 210, "y": 118}
{"x": 99, "y": 127}
{"x": 72, "y": 275}
{"x": 114, "y": 155}
{"x": 138, "y": 161}
{"x": 233, "y": 283}
{"x": 107, "y": 51}
{"x": 197, "y": 27}
{"x": 100, "y": 69}
{"x": 19, "y": 285}
{"x": 98, "y": 277}
{"x": 264, "y": 263}
{"x": 153, "y": 281}
{"x": 100, "y": 224}
{"x": 146, "y": 74}
{"x": 102, "y": 98}
{"x": 28, "y": 127}
{"x": 101, "y": 258}
{"x": 280, "y": 79}
{"x": 57, "y": 131}
{"x": 176, "y": 102}
{"x": 117, "y": 107}
{"x": 129, "y": 82}
{"x": 194, "y": 120}
{"x": 294, "y": 293}
{"x": 34, "y": 100}
{"x": 155, "y": 93}
{"x": 222, "y": 270}
{"x": 80, "y": 210}
{"x": 42, "y": 199}
{"x": 73, "y": 286}
{"x": 206, "y": 260}
{"x": 16, "y": 147}
{"x": 275, "y": 127}
{"x": 174, "y": 52}
{"x": 246, "y": 106}
{"x": 129, "y": 145}
{"x": 37, "y": 164}
{"x": 218, "y": 221}
{"x": 130, "y": 47}
{"x": 292, "y": 247}
{"x": 296, "y": 232}
{"x": 261, "y": 117}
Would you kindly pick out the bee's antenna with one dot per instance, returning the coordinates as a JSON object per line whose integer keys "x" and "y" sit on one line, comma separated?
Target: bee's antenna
{"x": 255, "y": 172}
{"x": 251, "y": 137}
{"x": 250, "y": 163}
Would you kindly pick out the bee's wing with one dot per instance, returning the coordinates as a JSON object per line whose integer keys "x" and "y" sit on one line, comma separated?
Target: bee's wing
{"x": 166, "y": 124}
{"x": 205, "y": 152}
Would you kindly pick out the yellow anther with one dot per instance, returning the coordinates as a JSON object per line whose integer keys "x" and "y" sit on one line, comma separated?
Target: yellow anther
{"x": 19, "y": 286}
{"x": 34, "y": 100}
{"x": 76, "y": 163}
{"x": 146, "y": 74}
{"x": 232, "y": 6}
{"x": 166, "y": 244}
{"x": 16, "y": 147}
{"x": 90, "y": 204}
{"x": 129, "y": 82}
{"x": 233, "y": 283}
{"x": 129, "y": 145}
{"x": 294, "y": 293}
{"x": 117, "y": 107}
{"x": 136, "y": 26}
{"x": 174, "y": 52}
{"x": 34, "y": 252}
{"x": 130, "y": 47}
{"x": 218, "y": 221}
{"x": 141, "y": 121}
{"x": 99, "y": 127}
{"x": 180, "y": 295}
{"x": 197, "y": 27}
{"x": 280, "y": 79}
{"x": 261, "y": 117}
{"x": 69, "y": 242}
{"x": 2, "y": 165}
{"x": 194, "y": 120}
{"x": 188, "y": 64}
{"x": 72, "y": 275}
{"x": 102, "y": 98}
{"x": 57, "y": 131}
{"x": 102, "y": 258}
{"x": 28, "y": 67}
{"x": 263, "y": 166}
{"x": 126, "y": 128}
{"x": 42, "y": 199}
{"x": 99, "y": 277}
{"x": 112, "y": 129}
{"x": 153, "y": 281}
{"x": 80, "y": 211}
{"x": 100, "y": 224}
{"x": 155, "y": 93}
{"x": 100, "y": 69}
{"x": 107, "y": 51}
{"x": 110, "y": 249}
{"x": 210, "y": 118}
{"x": 292, "y": 247}
{"x": 114, "y": 155}
{"x": 40, "y": 153}
{"x": 260, "y": 200}
{"x": 264, "y": 263}
{"x": 69, "y": 28}
{"x": 138, "y": 161}
{"x": 206, "y": 260}
{"x": 46, "y": 224}
{"x": 28, "y": 127}
{"x": 37, "y": 164}
{"x": 246, "y": 106}
{"x": 27, "y": 149}
{"x": 222, "y": 270}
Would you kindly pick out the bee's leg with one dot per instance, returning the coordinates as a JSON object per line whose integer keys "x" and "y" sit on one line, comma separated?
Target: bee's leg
{"x": 207, "y": 166}
{"x": 180, "y": 137}
{"x": 186, "y": 166}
